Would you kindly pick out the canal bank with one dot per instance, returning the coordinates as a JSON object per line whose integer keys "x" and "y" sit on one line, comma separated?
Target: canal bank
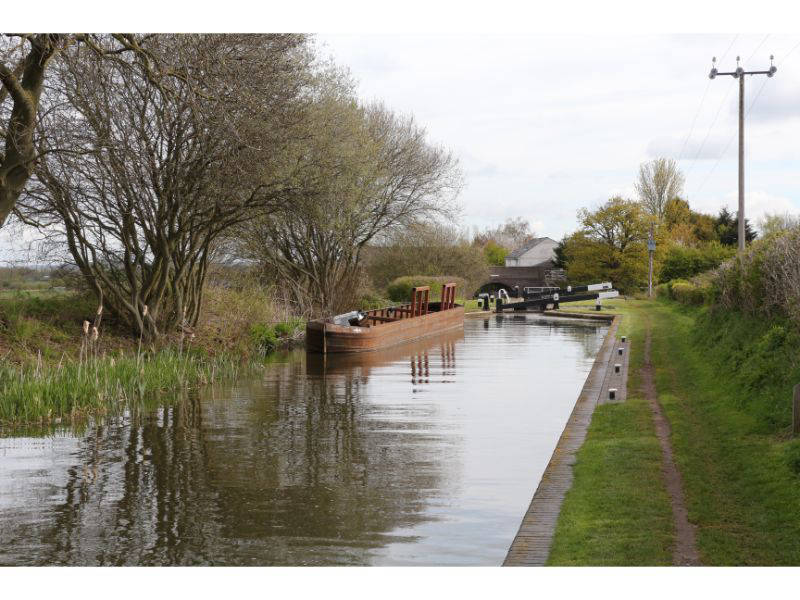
{"x": 717, "y": 379}
{"x": 604, "y": 383}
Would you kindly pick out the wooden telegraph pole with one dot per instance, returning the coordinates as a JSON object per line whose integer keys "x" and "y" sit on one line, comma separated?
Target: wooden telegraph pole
{"x": 739, "y": 74}
{"x": 651, "y": 248}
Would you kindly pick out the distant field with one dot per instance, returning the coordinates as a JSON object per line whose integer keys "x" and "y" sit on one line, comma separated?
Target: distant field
{"x": 44, "y": 292}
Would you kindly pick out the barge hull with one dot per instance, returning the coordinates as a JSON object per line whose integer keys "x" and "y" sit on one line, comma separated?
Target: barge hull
{"x": 324, "y": 336}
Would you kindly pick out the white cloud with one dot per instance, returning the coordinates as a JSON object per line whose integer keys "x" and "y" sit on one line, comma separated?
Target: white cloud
{"x": 759, "y": 203}
{"x": 547, "y": 124}
{"x": 778, "y": 100}
{"x": 691, "y": 149}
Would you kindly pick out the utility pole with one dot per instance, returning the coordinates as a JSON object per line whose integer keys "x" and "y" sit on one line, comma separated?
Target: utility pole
{"x": 739, "y": 74}
{"x": 651, "y": 248}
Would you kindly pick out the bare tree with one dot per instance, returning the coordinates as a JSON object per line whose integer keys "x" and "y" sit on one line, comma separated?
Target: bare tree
{"x": 148, "y": 177}
{"x": 370, "y": 172}
{"x": 436, "y": 249}
{"x": 659, "y": 182}
{"x": 777, "y": 223}
{"x": 512, "y": 234}
{"x": 24, "y": 63}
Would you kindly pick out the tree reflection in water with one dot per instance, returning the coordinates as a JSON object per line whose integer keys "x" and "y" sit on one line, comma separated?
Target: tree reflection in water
{"x": 298, "y": 467}
{"x": 421, "y": 454}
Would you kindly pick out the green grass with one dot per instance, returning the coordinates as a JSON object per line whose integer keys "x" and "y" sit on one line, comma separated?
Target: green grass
{"x": 268, "y": 337}
{"x": 52, "y": 393}
{"x": 730, "y": 438}
{"x": 43, "y": 377}
{"x": 617, "y": 511}
{"x": 46, "y": 323}
{"x": 470, "y": 305}
{"x": 725, "y": 384}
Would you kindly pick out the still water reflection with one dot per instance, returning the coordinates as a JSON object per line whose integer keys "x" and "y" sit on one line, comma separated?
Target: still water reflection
{"x": 424, "y": 454}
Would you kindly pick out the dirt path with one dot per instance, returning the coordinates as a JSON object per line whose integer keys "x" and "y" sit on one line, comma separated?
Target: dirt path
{"x": 685, "y": 551}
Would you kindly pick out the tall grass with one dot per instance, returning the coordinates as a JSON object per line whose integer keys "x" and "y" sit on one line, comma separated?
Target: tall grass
{"x": 57, "y": 362}
{"x": 41, "y": 394}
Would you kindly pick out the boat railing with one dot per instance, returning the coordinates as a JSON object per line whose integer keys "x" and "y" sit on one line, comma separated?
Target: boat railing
{"x": 419, "y": 306}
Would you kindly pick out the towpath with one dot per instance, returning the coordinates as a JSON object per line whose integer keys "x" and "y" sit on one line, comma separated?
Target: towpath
{"x": 685, "y": 549}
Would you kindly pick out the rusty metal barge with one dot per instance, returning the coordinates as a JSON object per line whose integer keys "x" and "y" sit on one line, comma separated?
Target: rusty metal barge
{"x": 365, "y": 331}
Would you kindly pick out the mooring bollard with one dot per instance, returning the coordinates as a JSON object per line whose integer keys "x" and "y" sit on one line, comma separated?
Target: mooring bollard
{"x": 796, "y": 410}
{"x": 617, "y": 367}
{"x": 612, "y": 393}
{"x": 597, "y": 305}
{"x": 624, "y": 339}
{"x": 619, "y": 350}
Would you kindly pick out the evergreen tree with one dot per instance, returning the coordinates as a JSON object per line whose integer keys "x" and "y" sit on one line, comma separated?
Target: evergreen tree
{"x": 727, "y": 227}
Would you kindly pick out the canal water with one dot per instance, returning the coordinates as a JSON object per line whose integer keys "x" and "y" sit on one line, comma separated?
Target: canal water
{"x": 425, "y": 454}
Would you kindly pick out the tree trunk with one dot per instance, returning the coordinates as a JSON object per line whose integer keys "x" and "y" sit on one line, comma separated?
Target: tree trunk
{"x": 17, "y": 164}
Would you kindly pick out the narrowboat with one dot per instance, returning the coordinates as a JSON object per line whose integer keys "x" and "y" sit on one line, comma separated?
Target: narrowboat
{"x": 366, "y": 331}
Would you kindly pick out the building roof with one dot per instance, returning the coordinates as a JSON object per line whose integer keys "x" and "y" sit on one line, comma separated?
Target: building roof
{"x": 518, "y": 252}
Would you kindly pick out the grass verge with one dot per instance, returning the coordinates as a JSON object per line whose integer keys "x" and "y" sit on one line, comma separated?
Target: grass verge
{"x": 617, "y": 511}
{"x": 725, "y": 384}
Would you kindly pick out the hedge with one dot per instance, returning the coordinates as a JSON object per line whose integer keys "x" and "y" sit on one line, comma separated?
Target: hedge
{"x": 698, "y": 291}
{"x": 399, "y": 290}
{"x": 681, "y": 262}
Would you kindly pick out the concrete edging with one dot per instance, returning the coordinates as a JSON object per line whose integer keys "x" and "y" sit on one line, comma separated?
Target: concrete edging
{"x": 531, "y": 545}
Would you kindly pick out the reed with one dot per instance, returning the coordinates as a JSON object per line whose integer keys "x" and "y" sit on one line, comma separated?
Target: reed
{"x": 98, "y": 384}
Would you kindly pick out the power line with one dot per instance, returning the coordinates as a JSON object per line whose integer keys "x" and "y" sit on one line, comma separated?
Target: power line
{"x": 711, "y": 127}
{"x": 730, "y": 140}
{"x": 724, "y": 99}
{"x": 795, "y": 47}
{"x": 761, "y": 43}
{"x": 757, "y": 48}
{"x": 691, "y": 129}
{"x": 752, "y": 104}
{"x": 730, "y": 46}
{"x": 741, "y": 74}
{"x": 696, "y": 114}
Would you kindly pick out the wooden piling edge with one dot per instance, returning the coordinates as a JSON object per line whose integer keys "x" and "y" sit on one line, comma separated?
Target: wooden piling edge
{"x": 581, "y": 315}
{"x": 531, "y": 545}
{"x": 616, "y": 380}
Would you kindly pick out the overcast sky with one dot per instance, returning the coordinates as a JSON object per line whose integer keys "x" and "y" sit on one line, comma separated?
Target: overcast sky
{"x": 545, "y": 125}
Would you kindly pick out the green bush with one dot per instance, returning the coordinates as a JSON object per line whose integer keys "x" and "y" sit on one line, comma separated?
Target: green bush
{"x": 760, "y": 356}
{"x": 699, "y": 291}
{"x": 370, "y": 300}
{"x": 681, "y": 262}
{"x": 688, "y": 293}
{"x": 399, "y": 290}
{"x": 290, "y": 327}
{"x": 264, "y": 337}
{"x": 495, "y": 254}
{"x": 267, "y": 337}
